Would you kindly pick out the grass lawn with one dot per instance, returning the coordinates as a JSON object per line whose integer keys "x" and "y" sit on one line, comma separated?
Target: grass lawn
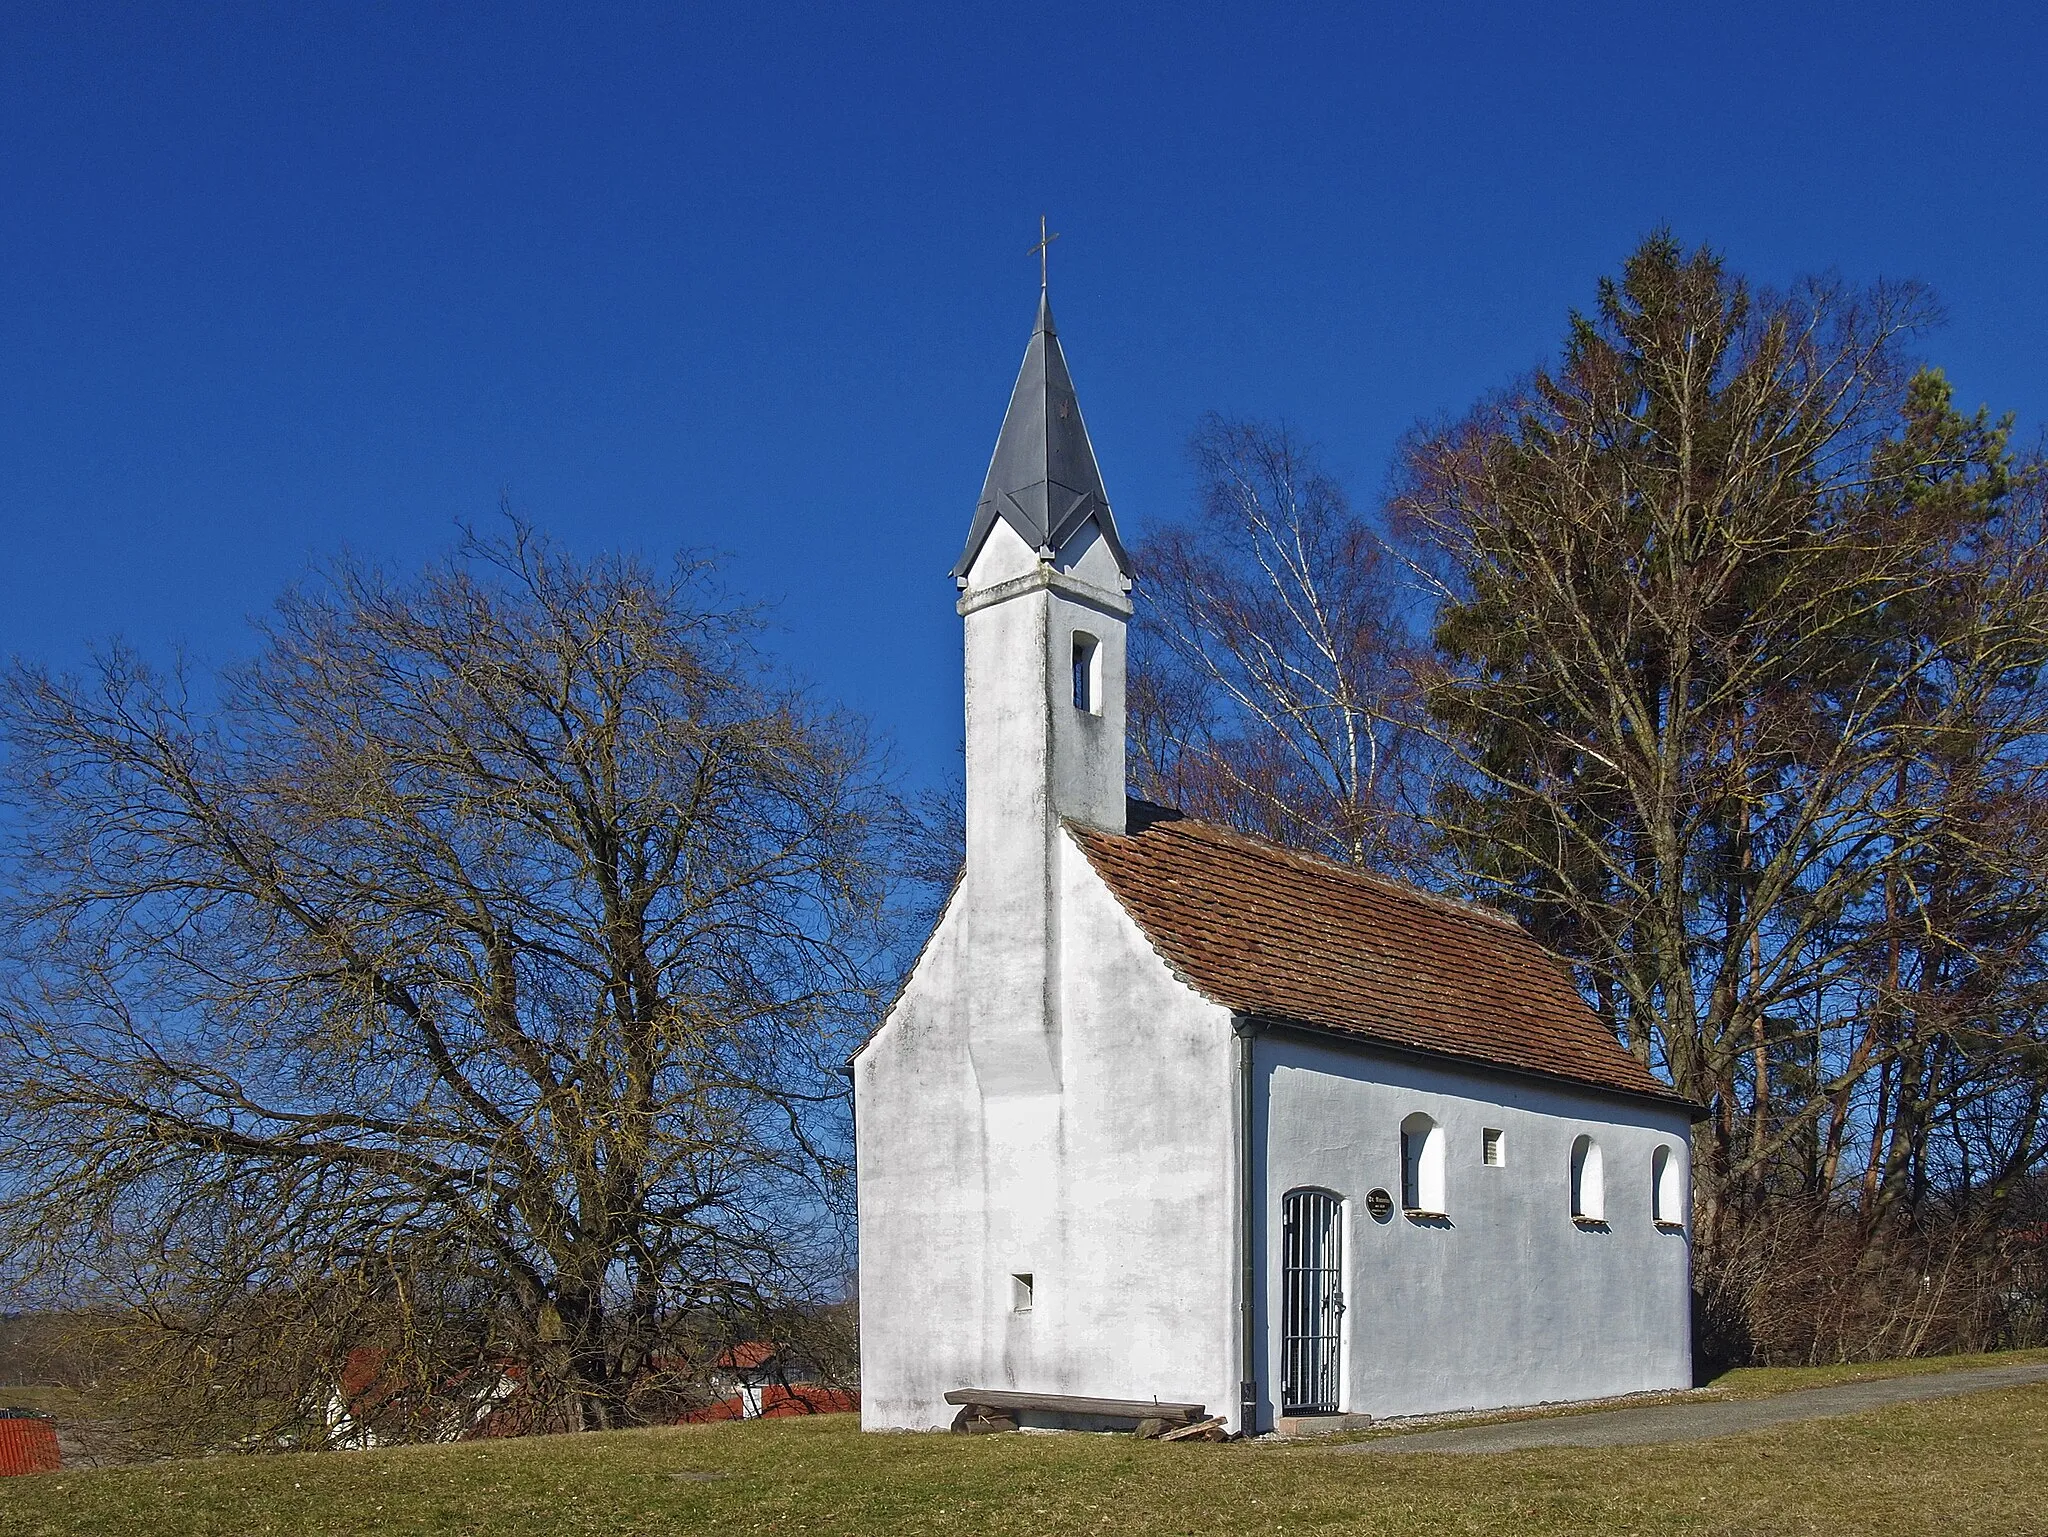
{"x": 1763, "y": 1381}
{"x": 1976, "y": 1464}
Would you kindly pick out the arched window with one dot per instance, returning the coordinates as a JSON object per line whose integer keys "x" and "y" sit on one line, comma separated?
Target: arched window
{"x": 1589, "y": 1197}
{"x": 1667, "y": 1188}
{"x": 1422, "y": 1165}
{"x": 1087, "y": 673}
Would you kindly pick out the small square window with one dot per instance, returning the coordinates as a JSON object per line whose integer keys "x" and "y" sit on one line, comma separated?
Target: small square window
{"x": 1020, "y": 1292}
{"x": 1493, "y": 1148}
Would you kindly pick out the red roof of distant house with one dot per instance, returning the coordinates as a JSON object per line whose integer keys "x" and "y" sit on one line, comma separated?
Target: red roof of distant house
{"x": 777, "y": 1403}
{"x": 362, "y": 1370}
{"x": 369, "y": 1389}
{"x": 746, "y": 1355}
{"x": 28, "y": 1444}
{"x": 1289, "y": 937}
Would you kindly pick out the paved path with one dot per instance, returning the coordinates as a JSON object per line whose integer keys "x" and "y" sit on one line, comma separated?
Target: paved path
{"x": 1700, "y": 1421}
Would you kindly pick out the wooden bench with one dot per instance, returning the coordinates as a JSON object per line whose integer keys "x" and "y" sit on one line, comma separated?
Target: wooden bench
{"x": 987, "y": 1409}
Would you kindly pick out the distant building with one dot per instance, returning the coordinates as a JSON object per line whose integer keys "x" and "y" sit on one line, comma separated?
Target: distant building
{"x": 28, "y": 1443}
{"x": 1165, "y": 1112}
{"x": 753, "y": 1368}
{"x": 371, "y": 1405}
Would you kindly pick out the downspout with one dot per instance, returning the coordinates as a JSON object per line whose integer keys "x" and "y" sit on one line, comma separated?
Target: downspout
{"x": 1247, "y": 1227}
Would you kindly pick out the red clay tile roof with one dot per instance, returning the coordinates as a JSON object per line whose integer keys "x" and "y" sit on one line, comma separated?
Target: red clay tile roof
{"x": 1286, "y": 936}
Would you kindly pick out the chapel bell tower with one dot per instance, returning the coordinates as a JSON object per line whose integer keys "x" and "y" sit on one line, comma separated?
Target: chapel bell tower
{"x": 1045, "y": 601}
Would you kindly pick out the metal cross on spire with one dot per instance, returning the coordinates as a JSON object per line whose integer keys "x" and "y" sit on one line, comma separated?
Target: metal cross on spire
{"x": 1044, "y": 240}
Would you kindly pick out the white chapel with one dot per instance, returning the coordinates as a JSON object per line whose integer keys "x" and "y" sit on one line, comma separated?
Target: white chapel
{"x": 1168, "y": 1114}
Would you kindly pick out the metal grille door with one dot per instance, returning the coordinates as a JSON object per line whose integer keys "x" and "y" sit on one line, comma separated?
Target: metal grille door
{"x": 1312, "y": 1288}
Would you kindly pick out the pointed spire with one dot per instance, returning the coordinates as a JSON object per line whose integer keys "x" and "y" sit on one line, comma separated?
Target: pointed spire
{"x": 1043, "y": 480}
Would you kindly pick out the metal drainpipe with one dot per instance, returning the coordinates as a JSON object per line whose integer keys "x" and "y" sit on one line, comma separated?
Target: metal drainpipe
{"x": 1248, "y": 1204}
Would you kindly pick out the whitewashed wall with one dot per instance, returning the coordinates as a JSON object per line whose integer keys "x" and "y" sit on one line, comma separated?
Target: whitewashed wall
{"x": 1509, "y": 1303}
{"x": 1117, "y": 1192}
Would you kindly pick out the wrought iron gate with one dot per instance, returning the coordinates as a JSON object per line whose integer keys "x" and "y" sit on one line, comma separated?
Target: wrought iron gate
{"x": 1312, "y": 1288}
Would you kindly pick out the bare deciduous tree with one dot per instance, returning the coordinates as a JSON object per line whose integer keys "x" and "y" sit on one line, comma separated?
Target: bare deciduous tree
{"x": 464, "y": 978}
{"x": 1268, "y": 690}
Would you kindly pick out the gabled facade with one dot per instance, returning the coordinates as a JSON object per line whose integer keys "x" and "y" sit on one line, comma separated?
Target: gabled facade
{"x": 1164, "y": 1112}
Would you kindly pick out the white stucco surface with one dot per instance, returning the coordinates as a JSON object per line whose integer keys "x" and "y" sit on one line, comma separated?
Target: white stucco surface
{"x": 1116, "y": 1192}
{"x": 1506, "y": 1300}
{"x": 1045, "y": 1098}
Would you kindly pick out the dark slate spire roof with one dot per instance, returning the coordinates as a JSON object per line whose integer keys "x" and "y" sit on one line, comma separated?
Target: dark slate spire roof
{"x": 1042, "y": 481}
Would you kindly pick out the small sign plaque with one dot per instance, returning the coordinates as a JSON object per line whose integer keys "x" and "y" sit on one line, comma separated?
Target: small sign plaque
{"x": 1379, "y": 1205}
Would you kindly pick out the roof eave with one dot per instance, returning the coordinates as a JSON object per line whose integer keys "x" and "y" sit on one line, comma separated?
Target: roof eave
{"x": 1362, "y": 1041}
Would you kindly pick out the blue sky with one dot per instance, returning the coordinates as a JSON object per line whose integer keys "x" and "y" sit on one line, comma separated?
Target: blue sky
{"x": 279, "y": 279}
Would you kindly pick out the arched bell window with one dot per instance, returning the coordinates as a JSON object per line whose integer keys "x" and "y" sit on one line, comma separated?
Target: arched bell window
{"x": 1087, "y": 673}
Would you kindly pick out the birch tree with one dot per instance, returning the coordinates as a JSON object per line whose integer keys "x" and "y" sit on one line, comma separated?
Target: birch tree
{"x": 1269, "y": 689}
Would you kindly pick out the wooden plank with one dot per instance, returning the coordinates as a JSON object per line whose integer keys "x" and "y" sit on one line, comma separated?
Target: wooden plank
{"x": 1201, "y": 1430}
{"x": 1067, "y": 1403}
{"x": 972, "y": 1420}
